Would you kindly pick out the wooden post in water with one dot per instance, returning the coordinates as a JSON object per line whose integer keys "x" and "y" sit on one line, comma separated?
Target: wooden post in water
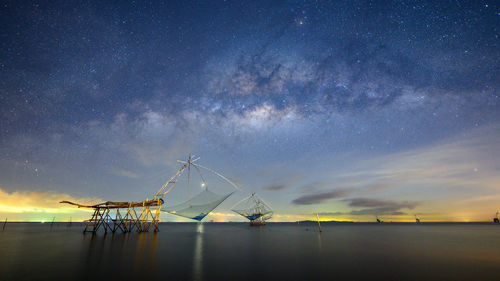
{"x": 319, "y": 225}
{"x": 52, "y": 223}
{"x": 3, "y": 228}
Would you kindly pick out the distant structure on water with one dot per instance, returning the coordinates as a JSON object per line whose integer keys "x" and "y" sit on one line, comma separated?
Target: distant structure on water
{"x": 495, "y": 219}
{"x": 254, "y": 209}
{"x": 378, "y": 220}
{"x": 417, "y": 220}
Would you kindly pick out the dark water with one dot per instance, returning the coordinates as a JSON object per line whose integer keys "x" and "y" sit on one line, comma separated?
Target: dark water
{"x": 236, "y": 251}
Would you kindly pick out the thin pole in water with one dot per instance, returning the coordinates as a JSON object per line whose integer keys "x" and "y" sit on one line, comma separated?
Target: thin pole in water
{"x": 52, "y": 223}
{"x": 69, "y": 222}
{"x": 319, "y": 225}
{"x": 5, "y": 223}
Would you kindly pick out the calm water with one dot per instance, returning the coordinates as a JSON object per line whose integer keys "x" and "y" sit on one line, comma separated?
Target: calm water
{"x": 236, "y": 251}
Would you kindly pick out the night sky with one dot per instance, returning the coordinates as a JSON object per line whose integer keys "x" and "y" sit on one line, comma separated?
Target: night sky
{"x": 348, "y": 109}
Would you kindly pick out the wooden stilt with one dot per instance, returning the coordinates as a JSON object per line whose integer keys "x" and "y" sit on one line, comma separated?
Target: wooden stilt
{"x": 127, "y": 218}
{"x": 157, "y": 216}
{"x": 89, "y": 222}
{"x": 4, "y": 224}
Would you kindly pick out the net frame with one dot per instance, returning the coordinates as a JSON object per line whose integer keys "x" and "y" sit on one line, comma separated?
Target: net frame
{"x": 199, "y": 206}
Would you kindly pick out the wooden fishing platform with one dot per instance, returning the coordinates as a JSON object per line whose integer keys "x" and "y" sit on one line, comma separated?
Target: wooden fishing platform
{"x": 145, "y": 215}
{"x": 128, "y": 220}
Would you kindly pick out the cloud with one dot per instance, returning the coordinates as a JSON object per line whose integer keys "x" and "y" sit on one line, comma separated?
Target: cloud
{"x": 379, "y": 207}
{"x": 38, "y": 202}
{"x": 320, "y": 197}
{"x": 374, "y": 207}
{"x": 367, "y": 202}
{"x": 274, "y": 187}
{"x": 330, "y": 213}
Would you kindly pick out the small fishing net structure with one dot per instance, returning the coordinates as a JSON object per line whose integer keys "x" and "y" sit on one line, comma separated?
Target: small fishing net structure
{"x": 200, "y": 205}
{"x": 253, "y": 208}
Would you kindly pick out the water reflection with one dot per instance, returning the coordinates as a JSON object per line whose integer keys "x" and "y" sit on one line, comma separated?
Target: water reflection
{"x": 145, "y": 256}
{"x": 107, "y": 256}
{"x": 152, "y": 252}
{"x": 198, "y": 253}
{"x": 280, "y": 252}
{"x": 320, "y": 242}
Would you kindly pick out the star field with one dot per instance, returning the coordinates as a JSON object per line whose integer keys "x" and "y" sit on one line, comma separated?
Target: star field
{"x": 309, "y": 103}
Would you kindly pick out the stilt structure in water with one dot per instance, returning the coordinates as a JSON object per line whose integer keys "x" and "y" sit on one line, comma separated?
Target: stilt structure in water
{"x": 141, "y": 216}
{"x": 4, "y": 224}
{"x": 417, "y": 220}
{"x": 52, "y": 223}
{"x": 254, "y": 209}
{"x": 495, "y": 219}
{"x": 69, "y": 224}
{"x": 378, "y": 220}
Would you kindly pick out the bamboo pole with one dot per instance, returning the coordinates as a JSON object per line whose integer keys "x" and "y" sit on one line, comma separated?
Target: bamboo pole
{"x": 3, "y": 228}
{"x": 121, "y": 224}
{"x": 137, "y": 221}
{"x": 115, "y": 220}
{"x": 52, "y": 223}
{"x": 126, "y": 217}
{"x": 105, "y": 221}
{"x": 319, "y": 225}
{"x": 90, "y": 221}
{"x": 142, "y": 217}
{"x": 99, "y": 221}
{"x": 157, "y": 216}
{"x": 97, "y": 213}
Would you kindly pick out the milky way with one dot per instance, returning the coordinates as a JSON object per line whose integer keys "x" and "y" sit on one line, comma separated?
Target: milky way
{"x": 319, "y": 107}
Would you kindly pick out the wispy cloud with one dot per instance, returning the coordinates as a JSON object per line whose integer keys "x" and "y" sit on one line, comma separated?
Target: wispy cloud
{"x": 374, "y": 207}
{"x": 316, "y": 198}
{"x": 379, "y": 207}
{"x": 274, "y": 187}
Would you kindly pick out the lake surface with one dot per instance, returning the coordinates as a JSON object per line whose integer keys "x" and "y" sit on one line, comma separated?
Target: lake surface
{"x": 236, "y": 251}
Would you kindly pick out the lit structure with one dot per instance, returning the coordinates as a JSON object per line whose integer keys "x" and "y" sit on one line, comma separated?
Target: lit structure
{"x": 139, "y": 216}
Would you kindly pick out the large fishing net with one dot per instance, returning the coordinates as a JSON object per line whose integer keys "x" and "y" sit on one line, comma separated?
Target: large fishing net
{"x": 199, "y": 206}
